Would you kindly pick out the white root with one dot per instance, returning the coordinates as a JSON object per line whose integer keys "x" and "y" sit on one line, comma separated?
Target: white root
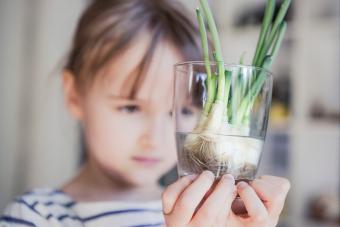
{"x": 222, "y": 147}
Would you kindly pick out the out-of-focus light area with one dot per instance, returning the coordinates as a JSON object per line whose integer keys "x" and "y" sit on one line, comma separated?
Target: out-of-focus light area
{"x": 39, "y": 142}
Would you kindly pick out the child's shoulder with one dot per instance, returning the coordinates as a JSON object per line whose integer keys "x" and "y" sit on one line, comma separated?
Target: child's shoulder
{"x": 46, "y": 197}
{"x": 39, "y": 206}
{"x": 46, "y": 200}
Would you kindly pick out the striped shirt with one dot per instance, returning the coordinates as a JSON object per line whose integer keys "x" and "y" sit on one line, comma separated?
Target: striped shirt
{"x": 49, "y": 207}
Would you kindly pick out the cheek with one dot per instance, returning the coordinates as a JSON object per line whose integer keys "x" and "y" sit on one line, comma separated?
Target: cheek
{"x": 111, "y": 136}
{"x": 188, "y": 123}
{"x": 169, "y": 143}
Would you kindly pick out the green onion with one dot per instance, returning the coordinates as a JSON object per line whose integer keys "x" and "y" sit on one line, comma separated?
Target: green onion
{"x": 273, "y": 33}
{"x": 268, "y": 16}
{"x": 230, "y": 96}
{"x": 217, "y": 48}
{"x": 248, "y": 101}
{"x": 279, "y": 38}
{"x": 204, "y": 42}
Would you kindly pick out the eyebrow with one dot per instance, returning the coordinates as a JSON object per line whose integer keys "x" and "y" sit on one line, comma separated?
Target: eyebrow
{"x": 124, "y": 98}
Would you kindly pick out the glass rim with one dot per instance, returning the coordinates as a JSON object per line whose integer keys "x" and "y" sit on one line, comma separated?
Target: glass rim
{"x": 230, "y": 65}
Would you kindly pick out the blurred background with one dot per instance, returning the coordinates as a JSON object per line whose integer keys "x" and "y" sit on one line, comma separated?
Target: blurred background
{"x": 39, "y": 142}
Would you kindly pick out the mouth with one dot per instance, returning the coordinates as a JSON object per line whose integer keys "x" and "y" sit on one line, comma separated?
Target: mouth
{"x": 146, "y": 161}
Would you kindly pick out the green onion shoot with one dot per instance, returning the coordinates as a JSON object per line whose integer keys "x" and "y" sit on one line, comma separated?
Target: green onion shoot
{"x": 228, "y": 105}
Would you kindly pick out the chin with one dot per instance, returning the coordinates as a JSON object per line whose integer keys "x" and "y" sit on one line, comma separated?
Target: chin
{"x": 144, "y": 179}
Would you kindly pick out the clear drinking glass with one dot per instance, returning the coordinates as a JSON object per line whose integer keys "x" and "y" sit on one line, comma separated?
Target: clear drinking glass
{"x": 236, "y": 146}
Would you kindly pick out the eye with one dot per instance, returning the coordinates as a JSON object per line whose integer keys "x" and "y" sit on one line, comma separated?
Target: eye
{"x": 129, "y": 108}
{"x": 187, "y": 111}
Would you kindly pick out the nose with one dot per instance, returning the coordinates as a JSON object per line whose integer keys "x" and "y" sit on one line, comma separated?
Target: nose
{"x": 152, "y": 137}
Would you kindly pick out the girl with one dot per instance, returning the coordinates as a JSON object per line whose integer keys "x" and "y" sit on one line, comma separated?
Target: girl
{"x": 118, "y": 83}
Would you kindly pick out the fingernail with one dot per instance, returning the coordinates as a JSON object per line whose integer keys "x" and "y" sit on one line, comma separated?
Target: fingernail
{"x": 228, "y": 177}
{"x": 242, "y": 185}
{"x": 209, "y": 174}
{"x": 166, "y": 210}
{"x": 191, "y": 176}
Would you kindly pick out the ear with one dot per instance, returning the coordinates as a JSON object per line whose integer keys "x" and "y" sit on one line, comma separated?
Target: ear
{"x": 72, "y": 97}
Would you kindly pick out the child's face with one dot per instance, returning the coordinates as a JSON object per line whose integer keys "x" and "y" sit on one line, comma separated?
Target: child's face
{"x": 131, "y": 140}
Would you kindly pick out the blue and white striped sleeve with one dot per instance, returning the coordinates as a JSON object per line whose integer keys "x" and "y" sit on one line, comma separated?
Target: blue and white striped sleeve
{"x": 20, "y": 213}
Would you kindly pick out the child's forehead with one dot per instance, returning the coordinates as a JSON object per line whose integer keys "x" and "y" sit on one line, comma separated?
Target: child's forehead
{"x": 126, "y": 74}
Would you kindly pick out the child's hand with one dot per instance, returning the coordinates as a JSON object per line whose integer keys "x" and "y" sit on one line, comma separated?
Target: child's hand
{"x": 184, "y": 202}
{"x": 262, "y": 202}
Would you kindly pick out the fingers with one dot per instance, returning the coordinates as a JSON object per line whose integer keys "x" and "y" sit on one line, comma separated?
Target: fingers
{"x": 217, "y": 205}
{"x": 255, "y": 208}
{"x": 273, "y": 191}
{"x": 223, "y": 216}
{"x": 172, "y": 192}
{"x": 278, "y": 181}
{"x": 190, "y": 198}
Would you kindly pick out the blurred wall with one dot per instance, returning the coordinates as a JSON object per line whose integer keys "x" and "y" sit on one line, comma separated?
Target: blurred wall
{"x": 38, "y": 140}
